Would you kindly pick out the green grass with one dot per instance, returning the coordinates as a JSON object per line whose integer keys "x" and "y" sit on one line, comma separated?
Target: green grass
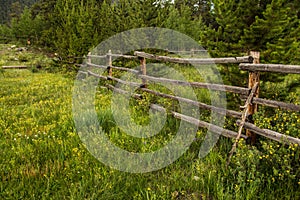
{"x": 42, "y": 156}
{"x": 33, "y": 58}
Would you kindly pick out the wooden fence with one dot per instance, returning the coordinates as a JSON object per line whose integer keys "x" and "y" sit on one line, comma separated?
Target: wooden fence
{"x": 243, "y": 118}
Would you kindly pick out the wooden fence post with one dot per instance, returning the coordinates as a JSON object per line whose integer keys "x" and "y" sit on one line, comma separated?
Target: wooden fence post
{"x": 143, "y": 70}
{"x": 252, "y": 108}
{"x": 109, "y": 63}
{"x": 89, "y": 58}
{"x": 192, "y": 53}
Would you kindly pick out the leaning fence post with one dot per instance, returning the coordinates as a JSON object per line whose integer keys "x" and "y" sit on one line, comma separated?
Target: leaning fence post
{"x": 252, "y": 108}
{"x": 109, "y": 63}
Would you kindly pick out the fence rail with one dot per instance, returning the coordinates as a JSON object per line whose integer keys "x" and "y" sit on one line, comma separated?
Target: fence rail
{"x": 249, "y": 63}
{"x": 276, "y": 104}
{"x": 210, "y": 86}
{"x": 15, "y": 67}
{"x": 289, "y": 69}
{"x": 203, "y": 61}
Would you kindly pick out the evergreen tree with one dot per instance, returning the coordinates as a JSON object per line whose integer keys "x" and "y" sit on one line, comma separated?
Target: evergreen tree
{"x": 73, "y": 23}
{"x": 16, "y": 10}
{"x": 5, "y": 33}
{"x": 12, "y": 8}
{"x": 26, "y": 27}
{"x": 44, "y": 8}
{"x": 285, "y": 50}
{"x": 199, "y": 8}
{"x": 232, "y": 18}
{"x": 180, "y": 19}
{"x": 277, "y": 22}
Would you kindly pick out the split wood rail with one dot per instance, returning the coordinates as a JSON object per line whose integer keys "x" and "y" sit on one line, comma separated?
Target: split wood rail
{"x": 243, "y": 118}
{"x": 15, "y": 67}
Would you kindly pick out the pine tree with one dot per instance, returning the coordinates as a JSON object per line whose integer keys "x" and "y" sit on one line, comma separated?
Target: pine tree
{"x": 26, "y": 27}
{"x": 285, "y": 50}
{"x": 277, "y": 25}
{"x": 73, "y": 26}
{"x": 232, "y": 18}
{"x": 286, "y": 47}
{"x": 180, "y": 19}
{"x": 199, "y": 8}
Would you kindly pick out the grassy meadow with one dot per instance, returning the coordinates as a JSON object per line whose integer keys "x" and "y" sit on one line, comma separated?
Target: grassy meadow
{"x": 42, "y": 156}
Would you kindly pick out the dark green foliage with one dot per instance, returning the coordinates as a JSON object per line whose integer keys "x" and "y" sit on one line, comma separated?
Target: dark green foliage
{"x": 232, "y": 18}
{"x": 274, "y": 33}
{"x": 271, "y": 27}
{"x": 199, "y": 8}
{"x": 26, "y": 27}
{"x": 12, "y": 8}
{"x": 226, "y": 27}
{"x": 286, "y": 49}
{"x": 77, "y": 26}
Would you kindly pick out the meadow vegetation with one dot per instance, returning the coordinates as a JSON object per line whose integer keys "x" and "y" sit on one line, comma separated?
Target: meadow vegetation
{"x": 42, "y": 157}
{"x": 41, "y": 153}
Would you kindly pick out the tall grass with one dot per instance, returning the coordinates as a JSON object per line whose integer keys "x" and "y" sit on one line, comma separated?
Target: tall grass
{"x": 42, "y": 156}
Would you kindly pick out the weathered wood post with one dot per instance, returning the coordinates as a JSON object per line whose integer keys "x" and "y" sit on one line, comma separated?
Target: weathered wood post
{"x": 252, "y": 108}
{"x": 143, "y": 70}
{"x": 89, "y": 60}
{"x": 109, "y": 63}
{"x": 192, "y": 52}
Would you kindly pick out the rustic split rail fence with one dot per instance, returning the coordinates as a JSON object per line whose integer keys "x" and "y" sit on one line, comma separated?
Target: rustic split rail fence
{"x": 243, "y": 118}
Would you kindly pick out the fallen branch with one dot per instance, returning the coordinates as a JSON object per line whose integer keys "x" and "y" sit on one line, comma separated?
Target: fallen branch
{"x": 241, "y": 124}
